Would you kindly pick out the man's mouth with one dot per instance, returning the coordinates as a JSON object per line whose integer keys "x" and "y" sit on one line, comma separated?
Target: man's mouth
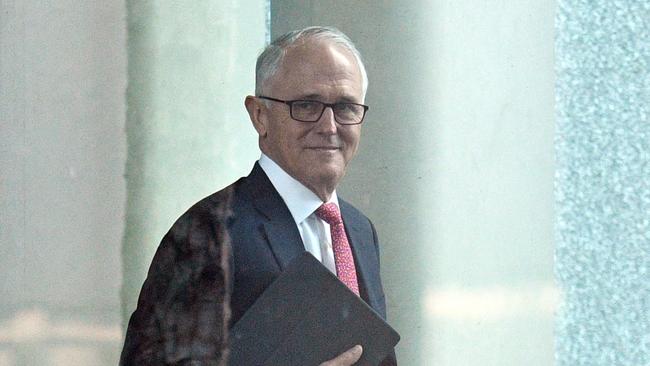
{"x": 324, "y": 148}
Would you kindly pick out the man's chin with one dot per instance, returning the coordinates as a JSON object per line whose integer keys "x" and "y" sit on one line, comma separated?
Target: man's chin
{"x": 329, "y": 177}
{"x": 324, "y": 177}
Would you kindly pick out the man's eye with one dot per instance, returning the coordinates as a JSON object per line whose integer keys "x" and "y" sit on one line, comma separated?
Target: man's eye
{"x": 347, "y": 110}
{"x": 306, "y": 106}
{"x": 343, "y": 107}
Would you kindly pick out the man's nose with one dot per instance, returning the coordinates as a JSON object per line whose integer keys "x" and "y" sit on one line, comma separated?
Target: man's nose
{"x": 327, "y": 121}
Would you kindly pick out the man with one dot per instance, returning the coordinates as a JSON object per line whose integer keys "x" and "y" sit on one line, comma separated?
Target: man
{"x": 308, "y": 109}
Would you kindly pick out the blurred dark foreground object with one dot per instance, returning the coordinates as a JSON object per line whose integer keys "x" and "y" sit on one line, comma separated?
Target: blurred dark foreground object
{"x": 182, "y": 315}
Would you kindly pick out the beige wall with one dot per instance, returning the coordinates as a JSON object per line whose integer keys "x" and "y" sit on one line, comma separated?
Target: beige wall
{"x": 62, "y": 193}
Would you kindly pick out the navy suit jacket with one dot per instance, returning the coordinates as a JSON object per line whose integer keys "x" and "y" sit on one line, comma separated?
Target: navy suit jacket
{"x": 247, "y": 228}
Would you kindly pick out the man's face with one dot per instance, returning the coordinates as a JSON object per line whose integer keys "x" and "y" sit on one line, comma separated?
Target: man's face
{"x": 317, "y": 153}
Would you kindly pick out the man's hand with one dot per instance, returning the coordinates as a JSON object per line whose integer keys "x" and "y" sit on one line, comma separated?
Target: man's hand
{"x": 346, "y": 358}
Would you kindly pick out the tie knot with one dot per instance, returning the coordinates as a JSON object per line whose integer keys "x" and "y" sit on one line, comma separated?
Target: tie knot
{"x": 329, "y": 212}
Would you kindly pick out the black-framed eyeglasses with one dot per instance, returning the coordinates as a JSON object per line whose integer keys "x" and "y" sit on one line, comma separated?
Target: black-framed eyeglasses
{"x": 311, "y": 110}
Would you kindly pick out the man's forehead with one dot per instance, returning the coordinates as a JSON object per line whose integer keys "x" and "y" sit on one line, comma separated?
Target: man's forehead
{"x": 315, "y": 52}
{"x": 316, "y": 61}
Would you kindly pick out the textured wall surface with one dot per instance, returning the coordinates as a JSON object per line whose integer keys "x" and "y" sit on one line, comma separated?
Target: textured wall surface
{"x": 603, "y": 182}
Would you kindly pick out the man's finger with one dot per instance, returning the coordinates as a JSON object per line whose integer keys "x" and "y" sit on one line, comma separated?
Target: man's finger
{"x": 346, "y": 358}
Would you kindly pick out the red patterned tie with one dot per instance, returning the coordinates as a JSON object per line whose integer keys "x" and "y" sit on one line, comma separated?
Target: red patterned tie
{"x": 345, "y": 270}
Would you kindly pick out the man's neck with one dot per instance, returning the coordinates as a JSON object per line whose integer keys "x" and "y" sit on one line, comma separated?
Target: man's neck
{"x": 300, "y": 200}
{"x": 323, "y": 192}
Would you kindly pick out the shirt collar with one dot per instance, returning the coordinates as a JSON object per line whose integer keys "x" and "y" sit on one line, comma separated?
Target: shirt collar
{"x": 300, "y": 200}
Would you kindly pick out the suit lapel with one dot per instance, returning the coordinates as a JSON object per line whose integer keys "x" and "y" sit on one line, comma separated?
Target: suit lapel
{"x": 285, "y": 241}
{"x": 362, "y": 249}
{"x": 281, "y": 230}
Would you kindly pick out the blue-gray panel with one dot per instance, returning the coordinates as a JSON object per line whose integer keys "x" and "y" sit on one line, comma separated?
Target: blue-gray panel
{"x": 603, "y": 182}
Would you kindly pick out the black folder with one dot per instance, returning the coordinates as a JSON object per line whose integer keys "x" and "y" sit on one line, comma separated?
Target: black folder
{"x": 307, "y": 316}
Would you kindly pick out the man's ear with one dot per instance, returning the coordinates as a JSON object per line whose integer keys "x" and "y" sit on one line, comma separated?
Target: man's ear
{"x": 258, "y": 114}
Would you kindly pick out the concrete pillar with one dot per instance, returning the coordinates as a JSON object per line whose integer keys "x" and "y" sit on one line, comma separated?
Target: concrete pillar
{"x": 455, "y": 168}
{"x": 190, "y": 65}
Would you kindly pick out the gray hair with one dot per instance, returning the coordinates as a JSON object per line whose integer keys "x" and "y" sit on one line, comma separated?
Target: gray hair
{"x": 268, "y": 62}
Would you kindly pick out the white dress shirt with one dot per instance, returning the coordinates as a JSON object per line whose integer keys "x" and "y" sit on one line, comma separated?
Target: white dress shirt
{"x": 302, "y": 203}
